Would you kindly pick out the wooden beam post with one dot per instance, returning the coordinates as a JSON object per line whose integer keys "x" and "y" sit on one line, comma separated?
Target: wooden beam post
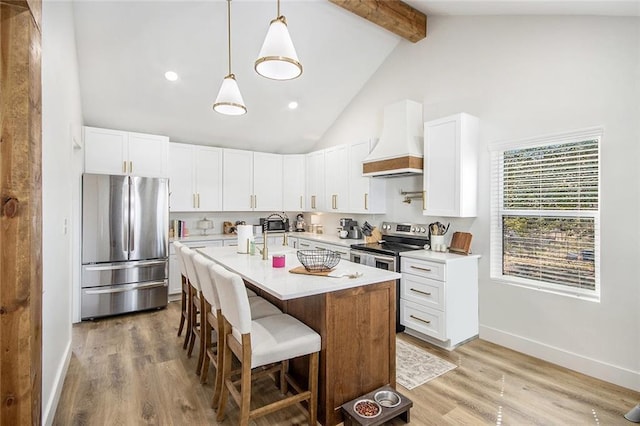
{"x": 393, "y": 15}
{"x": 20, "y": 213}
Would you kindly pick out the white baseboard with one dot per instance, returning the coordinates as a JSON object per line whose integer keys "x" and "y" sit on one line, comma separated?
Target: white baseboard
{"x": 49, "y": 409}
{"x": 582, "y": 364}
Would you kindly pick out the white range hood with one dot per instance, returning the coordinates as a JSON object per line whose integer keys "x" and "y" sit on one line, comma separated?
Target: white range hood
{"x": 400, "y": 150}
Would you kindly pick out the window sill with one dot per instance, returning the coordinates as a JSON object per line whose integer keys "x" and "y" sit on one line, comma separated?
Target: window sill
{"x": 584, "y": 295}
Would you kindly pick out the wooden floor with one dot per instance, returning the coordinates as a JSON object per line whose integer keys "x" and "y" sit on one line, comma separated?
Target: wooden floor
{"x": 131, "y": 370}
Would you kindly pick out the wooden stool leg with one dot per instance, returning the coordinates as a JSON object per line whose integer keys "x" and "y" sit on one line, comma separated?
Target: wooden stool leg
{"x": 189, "y": 314}
{"x": 226, "y": 377}
{"x": 245, "y": 391}
{"x": 313, "y": 388}
{"x": 203, "y": 329}
{"x": 183, "y": 307}
{"x": 284, "y": 369}
{"x": 219, "y": 362}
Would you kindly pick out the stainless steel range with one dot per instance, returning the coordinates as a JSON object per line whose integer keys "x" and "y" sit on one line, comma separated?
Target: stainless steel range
{"x": 385, "y": 254}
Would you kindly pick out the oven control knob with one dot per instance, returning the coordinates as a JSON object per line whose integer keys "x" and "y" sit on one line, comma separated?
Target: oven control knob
{"x": 413, "y": 229}
{"x": 423, "y": 230}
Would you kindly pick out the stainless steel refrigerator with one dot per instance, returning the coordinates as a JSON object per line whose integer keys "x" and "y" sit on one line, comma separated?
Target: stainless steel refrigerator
{"x": 125, "y": 237}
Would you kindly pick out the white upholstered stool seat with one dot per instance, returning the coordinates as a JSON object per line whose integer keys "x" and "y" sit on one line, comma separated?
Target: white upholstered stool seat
{"x": 251, "y": 293}
{"x": 184, "y": 293}
{"x": 258, "y": 342}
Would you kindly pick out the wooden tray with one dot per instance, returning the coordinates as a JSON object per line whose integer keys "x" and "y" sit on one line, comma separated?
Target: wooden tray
{"x": 303, "y": 271}
{"x": 460, "y": 242}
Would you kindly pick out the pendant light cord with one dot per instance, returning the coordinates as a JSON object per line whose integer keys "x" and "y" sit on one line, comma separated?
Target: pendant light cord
{"x": 278, "y": 15}
{"x": 229, "y": 31}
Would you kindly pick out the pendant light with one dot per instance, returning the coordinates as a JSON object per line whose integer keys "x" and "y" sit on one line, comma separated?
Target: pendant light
{"x": 229, "y": 100}
{"x": 278, "y": 59}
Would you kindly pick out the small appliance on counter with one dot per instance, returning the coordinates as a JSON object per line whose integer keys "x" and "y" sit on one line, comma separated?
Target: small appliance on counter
{"x": 205, "y": 224}
{"x": 275, "y": 223}
{"x": 300, "y": 225}
{"x": 355, "y": 233}
{"x": 343, "y": 231}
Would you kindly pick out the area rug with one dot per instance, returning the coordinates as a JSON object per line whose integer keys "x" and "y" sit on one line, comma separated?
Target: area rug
{"x": 415, "y": 366}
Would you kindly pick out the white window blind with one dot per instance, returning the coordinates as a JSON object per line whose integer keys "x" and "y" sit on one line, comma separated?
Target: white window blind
{"x": 545, "y": 213}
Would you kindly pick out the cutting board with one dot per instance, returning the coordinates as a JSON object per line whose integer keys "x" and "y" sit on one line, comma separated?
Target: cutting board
{"x": 460, "y": 242}
{"x": 302, "y": 270}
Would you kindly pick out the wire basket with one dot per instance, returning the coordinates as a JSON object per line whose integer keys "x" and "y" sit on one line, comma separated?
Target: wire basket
{"x": 318, "y": 260}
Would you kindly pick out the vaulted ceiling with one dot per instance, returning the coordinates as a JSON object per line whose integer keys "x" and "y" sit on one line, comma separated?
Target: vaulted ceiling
{"x": 125, "y": 47}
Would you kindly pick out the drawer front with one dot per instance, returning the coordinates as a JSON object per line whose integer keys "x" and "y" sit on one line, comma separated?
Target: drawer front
{"x": 425, "y": 291}
{"x": 424, "y": 268}
{"x": 422, "y": 319}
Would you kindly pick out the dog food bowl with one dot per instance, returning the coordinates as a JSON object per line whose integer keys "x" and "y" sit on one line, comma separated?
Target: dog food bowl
{"x": 387, "y": 398}
{"x": 367, "y": 408}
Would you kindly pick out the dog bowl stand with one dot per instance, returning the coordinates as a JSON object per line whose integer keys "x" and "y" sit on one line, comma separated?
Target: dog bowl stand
{"x": 388, "y": 413}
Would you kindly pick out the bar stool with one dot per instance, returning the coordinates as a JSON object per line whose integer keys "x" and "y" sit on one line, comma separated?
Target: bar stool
{"x": 184, "y": 296}
{"x": 193, "y": 331}
{"x": 212, "y": 319}
{"x": 261, "y": 342}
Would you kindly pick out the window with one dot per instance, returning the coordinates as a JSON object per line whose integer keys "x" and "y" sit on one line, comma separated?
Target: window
{"x": 546, "y": 213}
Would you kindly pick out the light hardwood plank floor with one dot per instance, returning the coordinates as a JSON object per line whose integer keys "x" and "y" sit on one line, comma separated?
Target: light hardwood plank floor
{"x": 131, "y": 370}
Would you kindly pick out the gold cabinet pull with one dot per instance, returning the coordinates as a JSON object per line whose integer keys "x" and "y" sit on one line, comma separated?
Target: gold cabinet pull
{"x": 313, "y": 201}
{"x": 198, "y": 200}
{"x": 304, "y": 245}
{"x": 124, "y": 167}
{"x": 421, "y": 269}
{"x": 424, "y": 200}
{"x": 366, "y": 201}
{"x": 194, "y": 201}
{"x": 420, "y": 319}
{"x": 130, "y": 166}
{"x": 301, "y": 201}
{"x": 255, "y": 201}
{"x": 421, "y": 292}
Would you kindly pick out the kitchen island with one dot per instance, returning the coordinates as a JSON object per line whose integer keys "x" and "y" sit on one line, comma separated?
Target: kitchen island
{"x": 355, "y": 318}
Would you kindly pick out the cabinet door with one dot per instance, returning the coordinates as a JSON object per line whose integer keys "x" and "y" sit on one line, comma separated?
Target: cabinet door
{"x": 208, "y": 178}
{"x": 181, "y": 175}
{"x": 336, "y": 179}
{"x": 267, "y": 182}
{"x": 148, "y": 155}
{"x": 451, "y": 166}
{"x": 105, "y": 151}
{"x": 293, "y": 182}
{"x": 315, "y": 181}
{"x": 366, "y": 195}
{"x": 237, "y": 180}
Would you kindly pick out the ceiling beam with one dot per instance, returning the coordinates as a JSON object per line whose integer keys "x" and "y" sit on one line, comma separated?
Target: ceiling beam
{"x": 393, "y": 15}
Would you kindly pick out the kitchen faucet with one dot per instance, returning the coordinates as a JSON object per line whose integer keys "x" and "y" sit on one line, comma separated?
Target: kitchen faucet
{"x": 265, "y": 250}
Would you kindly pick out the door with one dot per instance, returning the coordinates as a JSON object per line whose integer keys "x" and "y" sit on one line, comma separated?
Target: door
{"x": 105, "y": 151}
{"x": 148, "y": 155}
{"x": 237, "y": 181}
{"x": 293, "y": 182}
{"x": 208, "y": 180}
{"x": 105, "y": 222}
{"x": 149, "y": 218}
{"x": 181, "y": 175}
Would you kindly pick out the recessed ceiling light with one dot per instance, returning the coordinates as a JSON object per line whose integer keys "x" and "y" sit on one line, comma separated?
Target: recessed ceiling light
{"x": 171, "y": 76}
{"x": 293, "y": 105}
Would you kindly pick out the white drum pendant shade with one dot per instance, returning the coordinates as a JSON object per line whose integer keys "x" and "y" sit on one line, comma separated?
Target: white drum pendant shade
{"x": 229, "y": 100}
{"x": 278, "y": 59}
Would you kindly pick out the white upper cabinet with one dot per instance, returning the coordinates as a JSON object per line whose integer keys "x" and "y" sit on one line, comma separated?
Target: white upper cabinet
{"x": 195, "y": 178}
{"x": 237, "y": 180}
{"x": 293, "y": 182}
{"x": 251, "y": 181}
{"x": 315, "y": 181}
{"x": 116, "y": 152}
{"x": 336, "y": 165}
{"x": 366, "y": 195}
{"x": 451, "y": 166}
{"x": 267, "y": 182}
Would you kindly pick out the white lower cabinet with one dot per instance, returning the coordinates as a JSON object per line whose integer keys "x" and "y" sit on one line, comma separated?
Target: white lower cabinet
{"x": 439, "y": 297}
{"x": 175, "y": 281}
{"x": 343, "y": 251}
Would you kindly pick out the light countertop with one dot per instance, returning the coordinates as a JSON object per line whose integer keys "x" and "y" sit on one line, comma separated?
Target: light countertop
{"x": 322, "y": 238}
{"x": 434, "y": 256}
{"x": 282, "y": 284}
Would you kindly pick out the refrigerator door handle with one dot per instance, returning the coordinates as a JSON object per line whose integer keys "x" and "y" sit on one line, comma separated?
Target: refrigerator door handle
{"x": 128, "y": 287}
{"x": 126, "y": 215}
{"x": 126, "y": 266}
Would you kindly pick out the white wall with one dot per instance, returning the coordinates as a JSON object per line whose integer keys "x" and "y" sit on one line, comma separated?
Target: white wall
{"x": 61, "y": 118}
{"x": 523, "y": 77}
